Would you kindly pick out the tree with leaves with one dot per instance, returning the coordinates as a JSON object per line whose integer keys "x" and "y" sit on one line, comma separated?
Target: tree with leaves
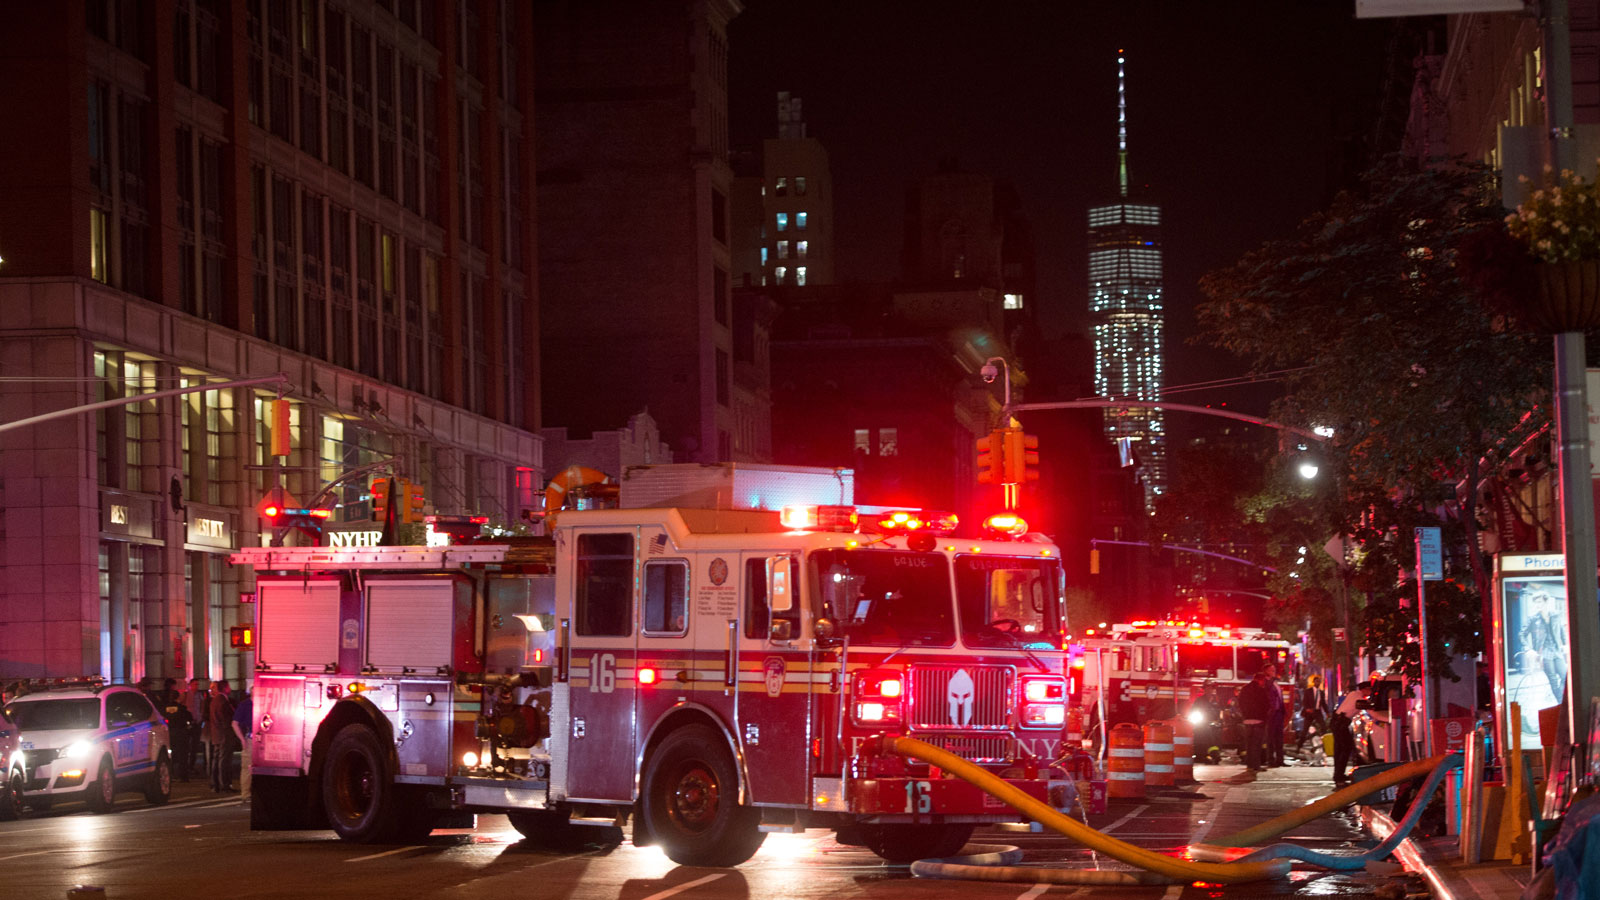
{"x": 1396, "y": 347}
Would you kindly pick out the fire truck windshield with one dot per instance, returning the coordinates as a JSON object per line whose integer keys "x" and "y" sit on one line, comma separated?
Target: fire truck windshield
{"x": 886, "y": 596}
{"x": 1009, "y": 601}
{"x": 1201, "y": 661}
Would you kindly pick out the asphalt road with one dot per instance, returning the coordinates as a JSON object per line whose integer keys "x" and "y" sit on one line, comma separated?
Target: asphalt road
{"x": 200, "y": 845}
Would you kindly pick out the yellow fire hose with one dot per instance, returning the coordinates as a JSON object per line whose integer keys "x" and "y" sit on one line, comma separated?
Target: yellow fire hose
{"x": 1208, "y": 862}
{"x": 1217, "y": 850}
{"x": 1160, "y": 864}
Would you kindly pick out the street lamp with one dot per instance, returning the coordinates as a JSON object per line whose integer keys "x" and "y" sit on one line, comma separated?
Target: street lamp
{"x": 1308, "y": 470}
{"x": 989, "y": 372}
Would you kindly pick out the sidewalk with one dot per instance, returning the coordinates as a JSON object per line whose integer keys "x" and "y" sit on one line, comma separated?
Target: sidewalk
{"x": 1438, "y": 860}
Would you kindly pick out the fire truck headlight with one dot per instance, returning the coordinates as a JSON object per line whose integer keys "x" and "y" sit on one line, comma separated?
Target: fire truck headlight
{"x": 889, "y": 687}
{"x": 1044, "y": 714}
{"x": 1037, "y": 690}
{"x": 870, "y": 712}
{"x": 1196, "y": 717}
{"x": 469, "y": 759}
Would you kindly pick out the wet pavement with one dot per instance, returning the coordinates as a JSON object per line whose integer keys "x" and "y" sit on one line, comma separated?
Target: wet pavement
{"x": 201, "y": 845}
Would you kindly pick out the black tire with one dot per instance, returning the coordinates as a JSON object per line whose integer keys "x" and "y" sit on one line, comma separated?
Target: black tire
{"x": 909, "y": 843}
{"x": 551, "y": 829}
{"x": 158, "y": 790}
{"x": 103, "y": 793}
{"x": 357, "y": 791}
{"x": 691, "y": 801}
{"x": 11, "y": 797}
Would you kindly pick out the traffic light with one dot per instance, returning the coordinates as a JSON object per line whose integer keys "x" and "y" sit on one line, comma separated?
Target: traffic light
{"x": 411, "y": 502}
{"x": 242, "y": 637}
{"x": 1022, "y": 457}
{"x": 381, "y": 488}
{"x": 308, "y": 520}
{"x": 279, "y": 433}
{"x": 991, "y": 457}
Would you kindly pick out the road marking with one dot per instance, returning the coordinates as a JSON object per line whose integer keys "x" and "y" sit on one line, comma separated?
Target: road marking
{"x": 1033, "y": 892}
{"x": 184, "y": 805}
{"x": 384, "y": 853}
{"x": 1137, "y": 810}
{"x": 21, "y": 855}
{"x": 685, "y": 886}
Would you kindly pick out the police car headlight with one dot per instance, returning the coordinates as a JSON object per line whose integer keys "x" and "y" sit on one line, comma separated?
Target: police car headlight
{"x": 74, "y": 750}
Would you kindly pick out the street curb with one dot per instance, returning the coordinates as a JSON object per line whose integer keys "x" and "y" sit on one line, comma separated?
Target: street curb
{"x": 1409, "y": 855}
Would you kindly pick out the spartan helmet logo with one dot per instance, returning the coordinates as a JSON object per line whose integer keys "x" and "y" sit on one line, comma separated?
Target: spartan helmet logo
{"x": 959, "y": 693}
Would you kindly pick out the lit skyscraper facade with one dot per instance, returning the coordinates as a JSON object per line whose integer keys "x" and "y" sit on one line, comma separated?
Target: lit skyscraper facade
{"x": 1125, "y": 309}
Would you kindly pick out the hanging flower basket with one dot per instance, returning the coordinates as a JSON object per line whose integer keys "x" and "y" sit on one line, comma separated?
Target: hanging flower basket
{"x": 1568, "y": 298}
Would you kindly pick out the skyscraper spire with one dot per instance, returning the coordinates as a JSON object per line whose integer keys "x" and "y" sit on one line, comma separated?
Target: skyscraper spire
{"x": 1122, "y": 124}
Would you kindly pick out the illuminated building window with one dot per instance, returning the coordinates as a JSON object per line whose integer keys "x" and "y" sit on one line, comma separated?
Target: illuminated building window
{"x": 783, "y": 249}
{"x": 800, "y": 275}
{"x": 800, "y": 221}
{"x": 863, "y": 440}
{"x": 799, "y": 185}
{"x": 783, "y": 221}
{"x": 888, "y": 442}
{"x": 781, "y": 187}
{"x": 98, "y": 259}
{"x": 800, "y": 249}
{"x": 763, "y": 256}
{"x": 1013, "y": 301}
{"x": 780, "y": 273}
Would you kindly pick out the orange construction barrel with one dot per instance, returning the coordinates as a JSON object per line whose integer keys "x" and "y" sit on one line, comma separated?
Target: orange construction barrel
{"x": 1182, "y": 750}
{"x": 1125, "y": 768}
{"x": 1158, "y": 754}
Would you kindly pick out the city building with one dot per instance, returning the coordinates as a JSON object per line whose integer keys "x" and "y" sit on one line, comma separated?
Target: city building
{"x": 1125, "y": 306}
{"x": 635, "y": 290}
{"x": 212, "y": 191}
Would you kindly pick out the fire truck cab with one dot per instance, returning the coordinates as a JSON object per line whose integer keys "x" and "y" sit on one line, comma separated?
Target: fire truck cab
{"x": 709, "y": 675}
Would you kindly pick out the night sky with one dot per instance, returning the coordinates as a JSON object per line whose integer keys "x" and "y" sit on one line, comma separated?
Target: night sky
{"x": 1243, "y": 118}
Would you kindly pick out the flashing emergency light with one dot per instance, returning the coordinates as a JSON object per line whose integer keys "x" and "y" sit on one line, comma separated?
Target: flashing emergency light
{"x": 1080, "y": 662}
{"x": 801, "y": 517}
{"x": 1006, "y": 525}
{"x": 469, "y": 759}
{"x": 1197, "y": 632}
{"x": 647, "y": 676}
{"x": 1196, "y": 717}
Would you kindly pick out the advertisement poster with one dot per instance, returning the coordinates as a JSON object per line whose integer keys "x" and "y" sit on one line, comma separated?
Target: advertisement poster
{"x": 1536, "y": 651}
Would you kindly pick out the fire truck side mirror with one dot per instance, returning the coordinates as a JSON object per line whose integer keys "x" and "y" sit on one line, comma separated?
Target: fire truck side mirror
{"x": 782, "y": 630}
{"x": 782, "y": 599}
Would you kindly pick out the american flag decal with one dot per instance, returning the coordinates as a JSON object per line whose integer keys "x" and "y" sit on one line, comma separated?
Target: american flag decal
{"x": 658, "y": 545}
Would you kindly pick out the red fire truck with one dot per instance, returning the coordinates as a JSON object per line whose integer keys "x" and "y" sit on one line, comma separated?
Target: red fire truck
{"x": 709, "y": 675}
{"x": 1153, "y": 669}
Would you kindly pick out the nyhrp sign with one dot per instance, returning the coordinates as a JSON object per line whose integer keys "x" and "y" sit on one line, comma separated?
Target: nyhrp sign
{"x": 1430, "y": 554}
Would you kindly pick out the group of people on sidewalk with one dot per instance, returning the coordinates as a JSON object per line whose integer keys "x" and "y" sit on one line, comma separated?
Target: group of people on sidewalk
{"x": 1262, "y": 707}
{"x": 208, "y": 722}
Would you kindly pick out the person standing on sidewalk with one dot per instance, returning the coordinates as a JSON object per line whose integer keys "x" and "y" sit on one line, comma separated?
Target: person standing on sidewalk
{"x": 1255, "y": 705}
{"x": 1277, "y": 716}
{"x": 243, "y": 720}
{"x": 1344, "y": 743}
{"x": 219, "y": 731}
{"x": 195, "y": 699}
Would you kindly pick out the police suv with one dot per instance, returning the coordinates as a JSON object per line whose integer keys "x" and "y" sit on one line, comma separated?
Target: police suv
{"x": 88, "y": 741}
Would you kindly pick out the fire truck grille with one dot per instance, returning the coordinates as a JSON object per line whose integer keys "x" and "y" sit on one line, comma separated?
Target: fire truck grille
{"x": 978, "y": 748}
{"x": 960, "y": 698}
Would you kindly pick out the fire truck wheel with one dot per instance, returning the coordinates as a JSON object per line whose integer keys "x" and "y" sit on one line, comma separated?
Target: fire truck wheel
{"x": 691, "y": 801}
{"x": 362, "y": 803}
{"x": 158, "y": 790}
{"x": 103, "y": 794}
{"x": 909, "y": 843}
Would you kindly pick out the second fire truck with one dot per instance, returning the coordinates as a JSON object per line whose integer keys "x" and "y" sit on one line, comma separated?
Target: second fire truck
{"x": 707, "y": 675}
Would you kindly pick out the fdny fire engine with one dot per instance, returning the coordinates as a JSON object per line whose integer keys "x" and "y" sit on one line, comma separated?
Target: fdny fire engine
{"x": 707, "y": 675}
{"x": 1146, "y": 670}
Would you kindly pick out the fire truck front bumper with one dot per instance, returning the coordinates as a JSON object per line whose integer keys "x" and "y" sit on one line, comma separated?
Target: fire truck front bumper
{"x": 897, "y": 799}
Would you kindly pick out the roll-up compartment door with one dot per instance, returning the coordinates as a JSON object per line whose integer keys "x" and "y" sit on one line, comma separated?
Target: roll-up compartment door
{"x": 409, "y": 623}
{"x": 298, "y": 621}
